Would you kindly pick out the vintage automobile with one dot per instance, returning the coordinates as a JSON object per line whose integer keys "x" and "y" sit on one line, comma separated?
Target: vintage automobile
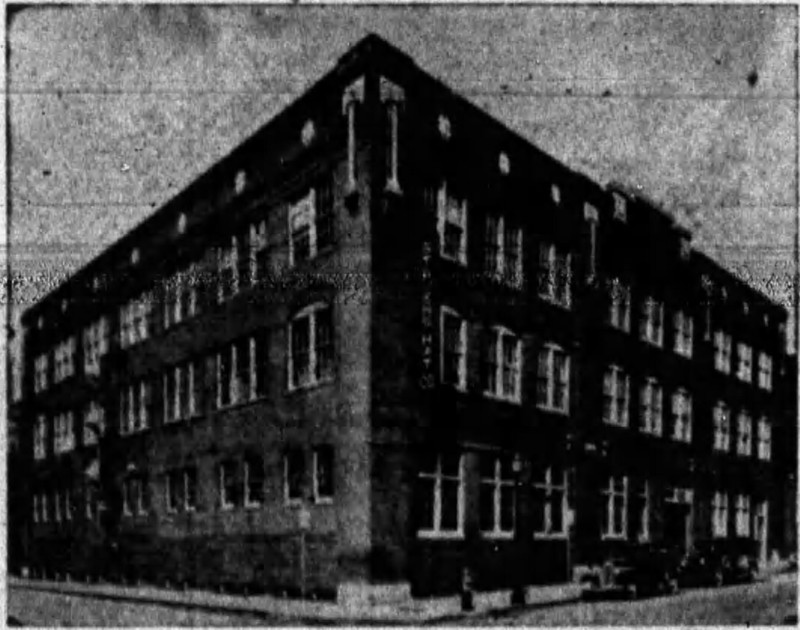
{"x": 635, "y": 570}
{"x": 720, "y": 561}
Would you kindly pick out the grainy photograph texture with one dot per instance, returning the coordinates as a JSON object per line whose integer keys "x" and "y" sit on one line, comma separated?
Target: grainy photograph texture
{"x": 424, "y": 314}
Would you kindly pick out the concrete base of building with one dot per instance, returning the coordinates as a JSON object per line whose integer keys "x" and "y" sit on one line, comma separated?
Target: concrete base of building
{"x": 357, "y": 595}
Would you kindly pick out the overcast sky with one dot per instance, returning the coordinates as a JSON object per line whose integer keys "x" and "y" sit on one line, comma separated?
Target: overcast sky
{"x": 115, "y": 109}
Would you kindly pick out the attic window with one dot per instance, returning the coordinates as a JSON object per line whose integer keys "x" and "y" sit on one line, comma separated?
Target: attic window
{"x": 504, "y": 163}
{"x": 444, "y": 127}
{"x": 181, "y": 223}
{"x": 308, "y": 133}
{"x": 555, "y": 194}
{"x": 620, "y": 208}
{"x": 240, "y": 182}
{"x": 686, "y": 248}
{"x": 135, "y": 255}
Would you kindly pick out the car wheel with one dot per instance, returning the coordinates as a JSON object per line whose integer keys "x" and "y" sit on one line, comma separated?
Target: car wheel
{"x": 718, "y": 579}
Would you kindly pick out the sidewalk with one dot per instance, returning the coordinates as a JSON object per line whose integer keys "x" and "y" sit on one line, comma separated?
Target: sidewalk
{"x": 415, "y": 612}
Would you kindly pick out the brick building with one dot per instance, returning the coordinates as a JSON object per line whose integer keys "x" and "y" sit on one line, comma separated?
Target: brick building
{"x": 387, "y": 339}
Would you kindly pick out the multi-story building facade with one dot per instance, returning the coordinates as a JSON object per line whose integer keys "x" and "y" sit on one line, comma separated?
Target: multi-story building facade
{"x": 386, "y": 340}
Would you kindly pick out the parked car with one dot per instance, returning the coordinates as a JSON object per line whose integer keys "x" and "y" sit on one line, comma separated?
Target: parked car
{"x": 720, "y": 561}
{"x": 635, "y": 570}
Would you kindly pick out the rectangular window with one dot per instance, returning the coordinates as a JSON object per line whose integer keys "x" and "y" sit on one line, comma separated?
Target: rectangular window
{"x": 228, "y": 269}
{"x": 180, "y": 296}
{"x": 554, "y": 277}
{"x": 683, "y": 328}
{"x": 744, "y": 370}
{"x": 64, "y": 432}
{"x": 174, "y": 490}
{"x": 641, "y": 511}
{"x": 651, "y": 401}
{"x": 259, "y": 252}
{"x": 502, "y": 364}
{"x": 719, "y": 523}
{"x": 744, "y": 435}
{"x": 227, "y": 485}
{"x": 497, "y": 496}
{"x": 682, "y": 416}
{"x": 503, "y": 251}
{"x": 253, "y": 481}
{"x": 134, "y": 407}
{"x": 552, "y": 389}
{"x": 323, "y": 474}
{"x": 303, "y": 230}
{"x": 64, "y": 360}
{"x": 225, "y": 362}
{"x": 293, "y": 473}
{"x": 241, "y": 382}
{"x": 764, "y": 371}
{"x": 615, "y": 496}
{"x": 619, "y": 310}
{"x": 453, "y": 349}
{"x": 722, "y": 351}
{"x": 441, "y": 489}
{"x": 651, "y": 325}
{"x": 260, "y": 363}
{"x": 742, "y": 515}
{"x": 135, "y": 320}
{"x": 325, "y": 217}
{"x": 40, "y": 366}
{"x": 550, "y": 502}
{"x": 133, "y": 502}
{"x": 94, "y": 423}
{"x": 311, "y": 346}
{"x": 95, "y": 345}
{"x": 616, "y": 396}
{"x": 764, "y": 439}
{"x": 40, "y": 438}
{"x": 722, "y": 427}
{"x": 452, "y": 226}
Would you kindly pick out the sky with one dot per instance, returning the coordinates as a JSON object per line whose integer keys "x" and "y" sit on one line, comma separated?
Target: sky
{"x": 113, "y": 110}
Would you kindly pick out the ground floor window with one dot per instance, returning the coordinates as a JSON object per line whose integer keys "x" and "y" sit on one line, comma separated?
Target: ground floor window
{"x": 719, "y": 521}
{"x": 550, "y": 501}
{"x": 742, "y": 515}
{"x": 440, "y": 492}
{"x": 497, "y": 498}
{"x": 615, "y": 498}
{"x": 641, "y": 510}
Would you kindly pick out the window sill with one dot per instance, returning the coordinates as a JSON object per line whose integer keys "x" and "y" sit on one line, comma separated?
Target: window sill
{"x": 462, "y": 389}
{"x": 228, "y": 407}
{"x": 553, "y": 301}
{"x": 428, "y": 534}
{"x": 453, "y": 259}
{"x": 498, "y": 535}
{"x": 618, "y": 328}
{"x": 311, "y": 385}
{"x": 293, "y": 503}
{"x": 323, "y": 501}
{"x": 555, "y": 410}
{"x": 651, "y": 343}
{"x": 612, "y": 423}
{"x": 550, "y": 536}
{"x": 500, "y": 398}
{"x": 651, "y": 432}
{"x": 613, "y": 537}
{"x": 252, "y": 505}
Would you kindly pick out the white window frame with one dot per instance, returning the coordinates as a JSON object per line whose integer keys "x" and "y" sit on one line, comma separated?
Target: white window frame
{"x": 228, "y": 259}
{"x": 463, "y": 348}
{"x": 722, "y": 427}
{"x": 499, "y": 335}
{"x": 651, "y": 325}
{"x": 645, "y": 493}
{"x": 611, "y": 492}
{"x": 453, "y": 211}
{"x": 719, "y": 511}
{"x": 512, "y": 278}
{"x": 558, "y": 262}
{"x": 765, "y": 371}
{"x": 744, "y": 363}
{"x": 548, "y": 486}
{"x": 40, "y": 438}
{"x": 764, "y": 439}
{"x": 303, "y": 213}
{"x": 310, "y": 312}
{"x": 248, "y": 501}
{"x": 495, "y": 485}
{"x": 438, "y": 477}
{"x": 619, "y": 308}
{"x": 258, "y": 243}
{"x": 64, "y": 432}
{"x": 41, "y": 365}
{"x": 743, "y": 506}
{"x": 744, "y": 433}
{"x": 288, "y": 500}
{"x": 64, "y": 360}
{"x": 682, "y": 415}
{"x": 723, "y": 345}
{"x": 129, "y": 422}
{"x": 683, "y": 327}
{"x": 551, "y": 350}
{"x": 614, "y": 380}
{"x": 226, "y": 503}
{"x": 651, "y": 401}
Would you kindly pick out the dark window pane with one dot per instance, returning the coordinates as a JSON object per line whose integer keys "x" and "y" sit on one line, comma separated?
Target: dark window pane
{"x": 261, "y": 363}
{"x": 325, "y": 215}
{"x": 556, "y": 513}
{"x": 295, "y": 464}
{"x": 425, "y": 502}
{"x": 486, "y": 506}
{"x": 507, "y": 500}
{"x": 301, "y": 243}
{"x": 324, "y": 342}
{"x": 449, "y": 505}
{"x": 324, "y": 471}
{"x": 300, "y": 350}
{"x": 255, "y": 480}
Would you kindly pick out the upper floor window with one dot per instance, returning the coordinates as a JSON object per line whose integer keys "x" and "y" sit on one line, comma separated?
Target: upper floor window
{"x": 554, "y": 277}
{"x": 40, "y": 437}
{"x": 226, "y": 472}
{"x": 764, "y": 371}
{"x": 303, "y": 229}
{"x": 744, "y": 435}
{"x": 651, "y": 324}
{"x": 95, "y": 345}
{"x": 134, "y": 407}
{"x": 744, "y": 371}
{"x": 742, "y": 515}
{"x": 453, "y": 336}
{"x": 497, "y": 506}
{"x": 311, "y": 346}
{"x": 502, "y": 358}
{"x": 133, "y": 496}
{"x": 63, "y": 432}
{"x": 451, "y": 213}
{"x": 552, "y": 383}
{"x": 619, "y": 308}
{"x": 259, "y": 252}
{"x": 293, "y": 475}
{"x": 616, "y": 396}
{"x": 180, "y": 296}
{"x": 550, "y": 502}
{"x": 228, "y": 269}
{"x": 94, "y": 423}
{"x": 181, "y": 390}
{"x": 64, "y": 360}
{"x": 181, "y": 490}
{"x": 503, "y": 251}
{"x": 651, "y": 404}
{"x": 720, "y": 515}
{"x": 620, "y": 207}
{"x": 134, "y": 320}
{"x": 322, "y": 469}
{"x": 615, "y": 497}
{"x": 40, "y": 375}
{"x": 764, "y": 439}
{"x": 722, "y": 427}
{"x": 441, "y": 492}
{"x": 684, "y": 333}
{"x": 722, "y": 351}
{"x": 682, "y": 416}
{"x": 253, "y": 481}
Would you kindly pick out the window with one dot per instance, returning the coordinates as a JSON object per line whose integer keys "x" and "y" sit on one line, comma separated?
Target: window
{"x": 744, "y": 370}
{"x": 555, "y": 275}
{"x": 641, "y": 511}
{"x": 502, "y": 364}
{"x": 744, "y": 434}
{"x": 722, "y": 351}
{"x": 225, "y": 362}
{"x": 651, "y": 400}
{"x": 453, "y": 349}
{"x": 682, "y": 416}
{"x": 63, "y": 432}
{"x": 40, "y": 367}
{"x": 651, "y": 325}
{"x": 742, "y": 515}
{"x": 722, "y": 427}
{"x": 56, "y": 506}
{"x": 37, "y": 507}
{"x": 303, "y": 230}
{"x": 452, "y": 225}
{"x": 180, "y": 392}
{"x": 719, "y": 521}
{"x": 311, "y": 346}
{"x": 620, "y": 207}
{"x": 90, "y": 502}
{"x": 764, "y": 371}
{"x": 552, "y": 385}
{"x": 323, "y": 474}
{"x": 40, "y": 438}
{"x": 64, "y": 360}
{"x": 133, "y": 496}
{"x": 503, "y": 251}
{"x": 259, "y": 253}
{"x": 441, "y": 492}
{"x": 616, "y": 396}
{"x": 44, "y": 506}
{"x": 134, "y": 320}
{"x": 134, "y": 406}
{"x": 619, "y": 307}
{"x": 684, "y": 333}
{"x": 253, "y": 481}
{"x": 180, "y": 296}
{"x": 227, "y": 269}
{"x": 181, "y": 490}
{"x": 325, "y": 214}
{"x": 497, "y": 496}
{"x": 550, "y": 502}
{"x": 95, "y": 345}
{"x": 764, "y": 439}
{"x": 293, "y": 473}
{"x": 227, "y": 485}
{"x": 615, "y": 495}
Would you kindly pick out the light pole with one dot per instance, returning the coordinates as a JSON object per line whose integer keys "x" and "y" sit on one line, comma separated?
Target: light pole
{"x": 518, "y": 591}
